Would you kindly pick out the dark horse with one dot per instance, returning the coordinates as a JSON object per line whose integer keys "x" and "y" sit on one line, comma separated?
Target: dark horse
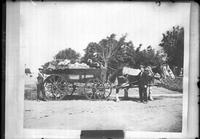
{"x": 125, "y": 81}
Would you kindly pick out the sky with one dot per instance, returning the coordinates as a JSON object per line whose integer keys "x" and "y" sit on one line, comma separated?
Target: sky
{"x": 46, "y": 28}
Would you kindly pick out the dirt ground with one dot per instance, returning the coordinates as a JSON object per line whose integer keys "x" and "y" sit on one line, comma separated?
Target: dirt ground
{"x": 163, "y": 114}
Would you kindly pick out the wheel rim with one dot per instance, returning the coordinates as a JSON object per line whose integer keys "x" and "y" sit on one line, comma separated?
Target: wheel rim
{"x": 94, "y": 89}
{"x": 56, "y": 88}
{"x": 108, "y": 90}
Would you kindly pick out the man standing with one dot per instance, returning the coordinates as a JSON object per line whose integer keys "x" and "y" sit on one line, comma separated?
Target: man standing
{"x": 142, "y": 85}
{"x": 40, "y": 86}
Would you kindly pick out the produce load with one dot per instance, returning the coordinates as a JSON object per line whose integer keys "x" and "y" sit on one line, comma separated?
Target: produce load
{"x": 64, "y": 64}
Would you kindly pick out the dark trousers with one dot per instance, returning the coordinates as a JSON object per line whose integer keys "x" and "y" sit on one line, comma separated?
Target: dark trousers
{"x": 143, "y": 93}
{"x": 40, "y": 88}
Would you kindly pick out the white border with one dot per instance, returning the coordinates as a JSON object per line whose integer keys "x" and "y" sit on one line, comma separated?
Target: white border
{"x": 15, "y": 72}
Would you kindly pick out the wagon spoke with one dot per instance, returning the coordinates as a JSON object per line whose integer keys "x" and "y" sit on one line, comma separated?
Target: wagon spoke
{"x": 51, "y": 79}
{"x": 48, "y": 87}
{"x": 59, "y": 80}
{"x": 108, "y": 90}
{"x": 94, "y": 89}
{"x": 56, "y": 87}
{"x": 48, "y": 90}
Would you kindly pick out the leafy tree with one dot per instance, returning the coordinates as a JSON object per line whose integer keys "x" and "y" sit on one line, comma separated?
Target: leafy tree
{"x": 110, "y": 52}
{"x": 90, "y": 58}
{"x": 173, "y": 45}
{"x": 68, "y": 53}
{"x": 147, "y": 56}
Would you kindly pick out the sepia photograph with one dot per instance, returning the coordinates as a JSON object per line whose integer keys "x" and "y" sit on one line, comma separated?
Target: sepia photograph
{"x": 105, "y": 66}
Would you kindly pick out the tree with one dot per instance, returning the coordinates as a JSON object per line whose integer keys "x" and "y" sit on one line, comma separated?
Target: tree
{"x": 173, "y": 45}
{"x": 90, "y": 58}
{"x": 147, "y": 56}
{"x": 68, "y": 53}
{"x": 109, "y": 52}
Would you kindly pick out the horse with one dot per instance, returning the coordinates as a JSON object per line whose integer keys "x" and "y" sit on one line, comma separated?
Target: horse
{"x": 126, "y": 81}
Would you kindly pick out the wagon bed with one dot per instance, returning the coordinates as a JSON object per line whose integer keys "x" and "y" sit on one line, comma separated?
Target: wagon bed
{"x": 77, "y": 75}
{"x": 63, "y": 82}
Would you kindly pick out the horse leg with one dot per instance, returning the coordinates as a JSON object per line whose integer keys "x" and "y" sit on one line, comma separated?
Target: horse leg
{"x": 126, "y": 93}
{"x": 117, "y": 97}
{"x": 149, "y": 95}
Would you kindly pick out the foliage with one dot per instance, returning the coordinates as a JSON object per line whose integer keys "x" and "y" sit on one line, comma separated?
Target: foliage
{"x": 115, "y": 53}
{"x": 69, "y": 54}
{"x": 110, "y": 52}
{"x": 173, "y": 44}
{"x": 147, "y": 56}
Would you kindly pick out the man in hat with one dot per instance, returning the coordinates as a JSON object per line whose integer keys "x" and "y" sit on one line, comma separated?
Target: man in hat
{"x": 142, "y": 83}
{"x": 40, "y": 85}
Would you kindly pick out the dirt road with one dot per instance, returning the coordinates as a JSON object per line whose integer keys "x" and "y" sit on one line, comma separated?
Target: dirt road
{"x": 164, "y": 113}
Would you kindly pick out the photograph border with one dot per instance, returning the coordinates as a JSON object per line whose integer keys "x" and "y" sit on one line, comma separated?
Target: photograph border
{"x": 15, "y": 72}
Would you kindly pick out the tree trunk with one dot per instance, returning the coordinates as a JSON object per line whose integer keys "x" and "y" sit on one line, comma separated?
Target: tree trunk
{"x": 106, "y": 69}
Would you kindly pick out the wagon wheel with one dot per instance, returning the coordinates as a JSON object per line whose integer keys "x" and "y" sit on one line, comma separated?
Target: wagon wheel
{"x": 94, "y": 89}
{"x": 108, "y": 90}
{"x": 56, "y": 87}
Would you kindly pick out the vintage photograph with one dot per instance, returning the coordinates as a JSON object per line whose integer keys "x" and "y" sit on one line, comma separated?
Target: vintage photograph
{"x": 105, "y": 65}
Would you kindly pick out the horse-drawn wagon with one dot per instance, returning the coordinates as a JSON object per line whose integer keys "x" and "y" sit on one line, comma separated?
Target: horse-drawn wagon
{"x": 94, "y": 83}
{"x": 61, "y": 83}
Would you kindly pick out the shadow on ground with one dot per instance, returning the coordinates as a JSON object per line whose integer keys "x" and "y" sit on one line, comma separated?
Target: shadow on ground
{"x": 75, "y": 97}
{"x": 135, "y": 99}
